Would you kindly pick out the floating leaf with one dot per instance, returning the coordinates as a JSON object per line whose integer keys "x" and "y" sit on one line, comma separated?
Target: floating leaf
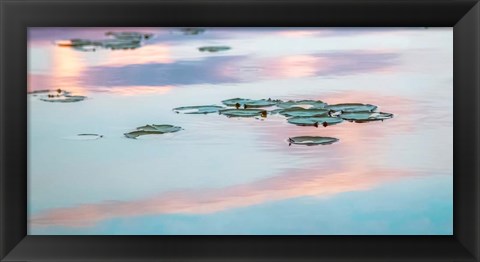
{"x": 116, "y": 44}
{"x": 314, "y": 121}
{"x": 310, "y": 103}
{"x": 192, "y": 31}
{"x": 152, "y": 130}
{"x": 121, "y": 40}
{"x": 352, "y": 107}
{"x": 312, "y": 140}
{"x": 360, "y": 117}
{"x": 243, "y": 112}
{"x": 129, "y": 35}
{"x": 198, "y": 109}
{"x": 299, "y": 111}
{"x": 242, "y": 102}
{"x": 213, "y": 48}
{"x": 60, "y": 96}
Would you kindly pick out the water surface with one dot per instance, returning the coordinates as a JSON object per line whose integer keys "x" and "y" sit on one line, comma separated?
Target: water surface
{"x": 240, "y": 176}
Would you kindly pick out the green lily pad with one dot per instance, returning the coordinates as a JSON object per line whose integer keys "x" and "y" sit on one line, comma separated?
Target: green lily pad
{"x": 352, "y": 107}
{"x": 116, "y": 44}
{"x": 213, "y": 48}
{"x": 242, "y": 102}
{"x": 312, "y": 140}
{"x": 192, "y": 31}
{"x": 311, "y": 103}
{"x": 314, "y": 121}
{"x": 152, "y": 130}
{"x": 243, "y": 112}
{"x": 198, "y": 109}
{"x": 299, "y": 111}
{"x": 60, "y": 96}
{"x": 361, "y": 117}
{"x": 129, "y": 35}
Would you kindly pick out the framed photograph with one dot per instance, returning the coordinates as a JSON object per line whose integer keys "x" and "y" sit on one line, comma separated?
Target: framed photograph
{"x": 240, "y": 130}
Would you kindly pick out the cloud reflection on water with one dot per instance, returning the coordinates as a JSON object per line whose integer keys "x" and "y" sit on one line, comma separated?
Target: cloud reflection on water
{"x": 298, "y": 183}
{"x": 231, "y": 69}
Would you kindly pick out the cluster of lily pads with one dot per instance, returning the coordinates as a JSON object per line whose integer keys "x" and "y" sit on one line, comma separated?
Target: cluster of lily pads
{"x": 300, "y": 113}
{"x": 129, "y": 40}
{"x": 118, "y": 40}
{"x": 58, "y": 95}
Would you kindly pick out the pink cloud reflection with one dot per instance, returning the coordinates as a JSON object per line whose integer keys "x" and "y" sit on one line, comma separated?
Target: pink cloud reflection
{"x": 316, "y": 182}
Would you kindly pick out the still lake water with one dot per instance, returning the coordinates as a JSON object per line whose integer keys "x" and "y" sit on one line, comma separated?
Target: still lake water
{"x": 240, "y": 176}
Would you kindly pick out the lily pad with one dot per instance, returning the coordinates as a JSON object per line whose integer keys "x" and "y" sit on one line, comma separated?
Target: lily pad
{"x": 243, "y": 102}
{"x": 314, "y": 121}
{"x": 152, "y": 130}
{"x": 310, "y": 103}
{"x": 312, "y": 140}
{"x": 352, "y": 107}
{"x": 129, "y": 35}
{"x": 198, "y": 109}
{"x": 243, "y": 112}
{"x": 361, "y": 117}
{"x": 192, "y": 31}
{"x": 116, "y": 44}
{"x": 299, "y": 111}
{"x": 213, "y": 48}
{"x": 60, "y": 96}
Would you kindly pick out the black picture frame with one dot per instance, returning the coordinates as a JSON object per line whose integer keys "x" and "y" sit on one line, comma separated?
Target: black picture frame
{"x": 17, "y": 15}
